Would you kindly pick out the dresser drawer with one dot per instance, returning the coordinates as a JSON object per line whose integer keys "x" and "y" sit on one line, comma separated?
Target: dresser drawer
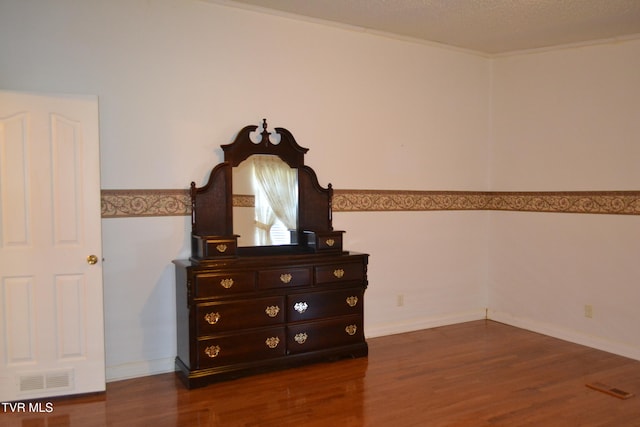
{"x": 335, "y": 273}
{"x": 304, "y": 337}
{"x": 212, "y": 318}
{"x": 314, "y": 305}
{"x": 284, "y": 277}
{"x": 211, "y": 247}
{"x": 218, "y": 284}
{"x": 256, "y": 345}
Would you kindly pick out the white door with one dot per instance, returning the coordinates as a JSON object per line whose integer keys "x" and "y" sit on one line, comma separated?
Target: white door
{"x": 51, "y": 302}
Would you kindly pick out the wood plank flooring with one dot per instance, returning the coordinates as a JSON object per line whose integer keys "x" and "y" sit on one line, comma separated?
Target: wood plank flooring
{"x": 479, "y": 373}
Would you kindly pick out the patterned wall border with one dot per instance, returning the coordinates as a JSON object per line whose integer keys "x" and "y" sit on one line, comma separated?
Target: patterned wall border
{"x": 144, "y": 203}
{"x": 592, "y": 202}
{"x": 135, "y": 203}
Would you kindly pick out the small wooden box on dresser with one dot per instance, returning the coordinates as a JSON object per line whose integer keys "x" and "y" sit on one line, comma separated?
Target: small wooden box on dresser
{"x": 244, "y": 310}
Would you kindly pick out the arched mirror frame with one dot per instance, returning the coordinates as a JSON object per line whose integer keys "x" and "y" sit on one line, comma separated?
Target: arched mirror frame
{"x": 212, "y": 204}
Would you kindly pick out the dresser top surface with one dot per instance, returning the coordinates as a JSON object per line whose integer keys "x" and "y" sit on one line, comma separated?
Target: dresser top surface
{"x": 272, "y": 260}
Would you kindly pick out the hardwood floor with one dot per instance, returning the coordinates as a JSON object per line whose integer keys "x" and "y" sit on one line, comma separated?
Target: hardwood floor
{"x": 479, "y": 373}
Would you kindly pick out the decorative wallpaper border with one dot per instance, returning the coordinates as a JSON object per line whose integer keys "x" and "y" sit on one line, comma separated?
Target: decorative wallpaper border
{"x": 145, "y": 203}
{"x": 134, "y": 203}
{"x": 592, "y": 202}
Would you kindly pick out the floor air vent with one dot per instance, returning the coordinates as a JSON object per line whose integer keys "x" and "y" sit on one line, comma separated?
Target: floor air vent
{"x": 31, "y": 382}
{"x": 612, "y": 391}
{"x": 55, "y": 380}
{"x": 58, "y": 379}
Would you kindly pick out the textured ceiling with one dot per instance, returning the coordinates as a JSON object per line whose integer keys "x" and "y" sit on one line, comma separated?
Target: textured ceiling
{"x": 486, "y": 26}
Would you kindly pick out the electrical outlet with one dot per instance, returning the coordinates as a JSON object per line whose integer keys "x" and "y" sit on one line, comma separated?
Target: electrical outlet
{"x": 588, "y": 311}
{"x": 400, "y": 300}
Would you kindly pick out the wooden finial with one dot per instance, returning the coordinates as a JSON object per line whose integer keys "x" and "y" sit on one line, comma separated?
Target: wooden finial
{"x": 265, "y": 133}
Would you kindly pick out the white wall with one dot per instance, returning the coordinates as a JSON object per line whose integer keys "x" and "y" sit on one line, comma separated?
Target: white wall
{"x": 437, "y": 261}
{"x": 177, "y": 78}
{"x": 544, "y": 268}
{"x": 568, "y": 120}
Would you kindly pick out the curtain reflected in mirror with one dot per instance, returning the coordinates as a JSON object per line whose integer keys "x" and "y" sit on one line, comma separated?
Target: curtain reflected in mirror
{"x": 268, "y": 189}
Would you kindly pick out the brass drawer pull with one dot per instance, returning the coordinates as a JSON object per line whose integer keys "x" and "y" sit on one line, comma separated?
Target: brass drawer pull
{"x": 285, "y": 278}
{"x": 272, "y": 310}
{"x": 272, "y": 342}
{"x": 330, "y": 242}
{"x": 226, "y": 283}
{"x": 300, "y": 307}
{"x": 352, "y": 301}
{"x": 212, "y": 351}
{"x": 338, "y": 273}
{"x": 212, "y": 318}
{"x": 351, "y": 329}
{"x": 222, "y": 248}
{"x": 301, "y": 338}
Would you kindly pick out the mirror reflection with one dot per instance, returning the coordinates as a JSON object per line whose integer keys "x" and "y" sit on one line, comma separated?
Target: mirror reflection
{"x": 267, "y": 191}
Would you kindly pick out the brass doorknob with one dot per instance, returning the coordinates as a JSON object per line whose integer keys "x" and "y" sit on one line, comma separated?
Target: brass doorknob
{"x": 92, "y": 259}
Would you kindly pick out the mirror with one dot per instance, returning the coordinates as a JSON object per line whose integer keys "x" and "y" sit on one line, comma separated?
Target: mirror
{"x": 226, "y": 210}
{"x": 265, "y": 208}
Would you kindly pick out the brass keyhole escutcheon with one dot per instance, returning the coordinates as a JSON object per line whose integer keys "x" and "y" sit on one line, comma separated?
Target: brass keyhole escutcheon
{"x": 212, "y": 351}
{"x": 272, "y": 342}
{"x": 92, "y": 259}
{"x": 352, "y": 301}
{"x": 286, "y": 278}
{"x": 212, "y": 318}
{"x": 351, "y": 329}
{"x": 226, "y": 283}
{"x": 272, "y": 310}
{"x": 301, "y": 338}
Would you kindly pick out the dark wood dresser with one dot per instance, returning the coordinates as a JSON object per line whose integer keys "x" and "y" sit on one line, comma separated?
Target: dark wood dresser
{"x": 252, "y": 313}
{"x": 244, "y": 310}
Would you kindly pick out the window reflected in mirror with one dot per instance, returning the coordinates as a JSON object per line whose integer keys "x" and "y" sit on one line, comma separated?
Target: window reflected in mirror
{"x": 267, "y": 191}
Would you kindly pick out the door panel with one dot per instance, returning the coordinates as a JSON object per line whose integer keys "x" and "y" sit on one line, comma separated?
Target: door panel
{"x": 15, "y": 197}
{"x": 67, "y": 180}
{"x": 51, "y": 325}
{"x": 70, "y": 303}
{"x": 18, "y": 311}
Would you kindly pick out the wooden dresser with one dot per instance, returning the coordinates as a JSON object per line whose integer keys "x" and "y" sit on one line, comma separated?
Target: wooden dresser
{"x": 252, "y": 313}
{"x": 244, "y": 310}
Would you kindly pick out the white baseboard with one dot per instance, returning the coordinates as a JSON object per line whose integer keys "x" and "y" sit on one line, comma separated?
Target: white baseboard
{"x": 160, "y": 366}
{"x": 573, "y": 336}
{"x": 142, "y": 368}
{"x": 415, "y": 324}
